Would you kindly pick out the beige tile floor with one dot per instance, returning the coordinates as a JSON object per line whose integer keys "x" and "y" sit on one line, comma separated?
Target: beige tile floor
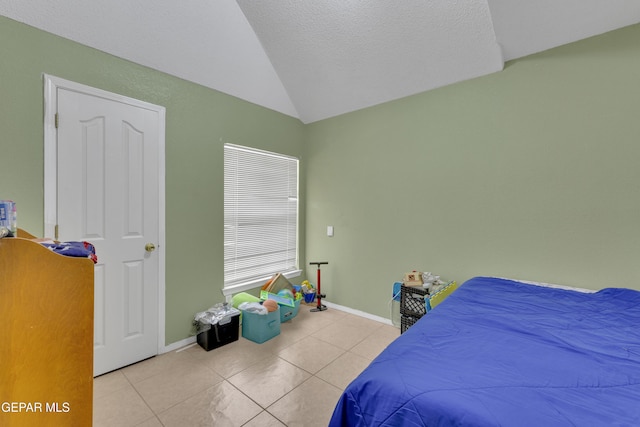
{"x": 294, "y": 379}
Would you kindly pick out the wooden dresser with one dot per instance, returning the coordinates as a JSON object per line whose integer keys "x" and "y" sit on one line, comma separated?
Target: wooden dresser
{"x": 46, "y": 336}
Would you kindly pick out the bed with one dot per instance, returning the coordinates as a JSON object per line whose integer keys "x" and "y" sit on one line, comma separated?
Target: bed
{"x": 499, "y": 352}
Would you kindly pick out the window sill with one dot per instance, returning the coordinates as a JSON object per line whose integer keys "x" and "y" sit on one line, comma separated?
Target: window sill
{"x": 229, "y": 291}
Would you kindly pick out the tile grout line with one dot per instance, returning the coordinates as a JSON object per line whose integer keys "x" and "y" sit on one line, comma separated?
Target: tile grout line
{"x": 311, "y": 331}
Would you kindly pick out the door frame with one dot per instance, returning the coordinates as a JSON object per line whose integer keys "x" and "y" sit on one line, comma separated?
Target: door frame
{"x": 51, "y": 86}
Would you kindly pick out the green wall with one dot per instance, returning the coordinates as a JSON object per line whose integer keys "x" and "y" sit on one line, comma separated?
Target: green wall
{"x": 198, "y": 122}
{"x": 530, "y": 173}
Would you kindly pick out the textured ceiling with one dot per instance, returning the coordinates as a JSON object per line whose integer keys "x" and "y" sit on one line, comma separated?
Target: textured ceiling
{"x": 339, "y": 56}
{"x": 314, "y": 59}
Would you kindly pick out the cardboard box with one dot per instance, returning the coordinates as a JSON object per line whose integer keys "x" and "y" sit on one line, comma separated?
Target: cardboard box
{"x": 413, "y": 278}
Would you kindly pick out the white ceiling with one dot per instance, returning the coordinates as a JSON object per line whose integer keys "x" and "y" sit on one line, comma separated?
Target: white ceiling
{"x": 314, "y": 59}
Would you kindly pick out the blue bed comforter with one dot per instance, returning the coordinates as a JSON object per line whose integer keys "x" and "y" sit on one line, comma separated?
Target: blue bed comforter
{"x": 503, "y": 353}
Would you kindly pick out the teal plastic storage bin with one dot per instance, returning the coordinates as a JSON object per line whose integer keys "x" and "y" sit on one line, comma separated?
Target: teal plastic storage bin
{"x": 259, "y": 327}
{"x": 287, "y": 313}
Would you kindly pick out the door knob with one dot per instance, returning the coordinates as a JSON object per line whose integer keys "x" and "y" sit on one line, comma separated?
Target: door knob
{"x": 149, "y": 247}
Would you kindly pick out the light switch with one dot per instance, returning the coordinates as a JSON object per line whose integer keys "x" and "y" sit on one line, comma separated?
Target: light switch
{"x": 330, "y": 230}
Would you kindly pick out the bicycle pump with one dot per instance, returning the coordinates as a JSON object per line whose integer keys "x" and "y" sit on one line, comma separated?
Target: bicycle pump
{"x": 320, "y": 295}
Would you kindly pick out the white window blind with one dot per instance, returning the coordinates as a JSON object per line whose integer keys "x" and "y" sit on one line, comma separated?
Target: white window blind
{"x": 260, "y": 214}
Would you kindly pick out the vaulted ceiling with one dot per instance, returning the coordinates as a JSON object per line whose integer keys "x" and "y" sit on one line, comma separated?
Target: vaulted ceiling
{"x": 315, "y": 59}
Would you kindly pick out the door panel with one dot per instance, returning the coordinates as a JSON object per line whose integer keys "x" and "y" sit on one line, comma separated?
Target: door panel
{"x": 93, "y": 178}
{"x": 99, "y": 307}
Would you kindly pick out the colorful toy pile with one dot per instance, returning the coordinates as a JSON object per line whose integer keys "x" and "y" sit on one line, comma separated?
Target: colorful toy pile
{"x": 309, "y": 292}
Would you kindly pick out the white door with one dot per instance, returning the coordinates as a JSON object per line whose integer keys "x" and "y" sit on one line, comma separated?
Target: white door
{"x": 108, "y": 167}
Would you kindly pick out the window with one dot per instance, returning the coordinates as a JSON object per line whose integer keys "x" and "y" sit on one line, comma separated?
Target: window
{"x": 260, "y": 216}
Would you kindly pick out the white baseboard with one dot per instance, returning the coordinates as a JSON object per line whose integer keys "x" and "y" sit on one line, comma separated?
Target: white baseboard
{"x": 178, "y": 345}
{"x": 358, "y": 313}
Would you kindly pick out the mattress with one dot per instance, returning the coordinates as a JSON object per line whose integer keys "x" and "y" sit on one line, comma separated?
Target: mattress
{"x": 503, "y": 353}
